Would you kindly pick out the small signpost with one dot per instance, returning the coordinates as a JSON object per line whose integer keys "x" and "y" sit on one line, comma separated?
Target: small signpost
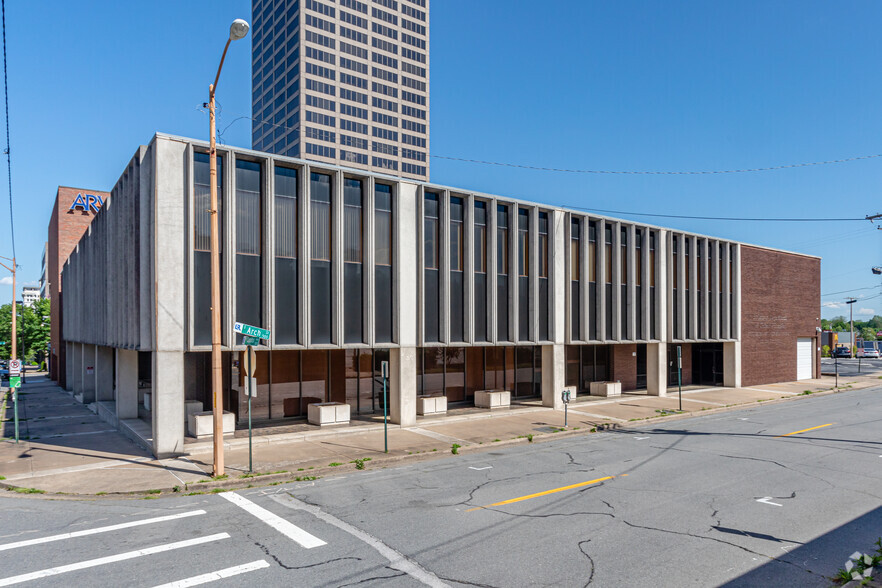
{"x": 384, "y": 372}
{"x": 15, "y": 384}
{"x": 250, "y": 336}
{"x": 680, "y": 375}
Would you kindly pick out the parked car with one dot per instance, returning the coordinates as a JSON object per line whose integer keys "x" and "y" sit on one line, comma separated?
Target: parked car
{"x": 868, "y": 349}
{"x": 842, "y": 351}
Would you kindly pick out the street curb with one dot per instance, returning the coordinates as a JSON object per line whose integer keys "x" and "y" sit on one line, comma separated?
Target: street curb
{"x": 271, "y": 479}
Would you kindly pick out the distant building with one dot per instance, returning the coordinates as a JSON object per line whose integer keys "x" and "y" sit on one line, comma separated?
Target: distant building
{"x": 29, "y": 295}
{"x": 72, "y": 214}
{"x": 344, "y": 84}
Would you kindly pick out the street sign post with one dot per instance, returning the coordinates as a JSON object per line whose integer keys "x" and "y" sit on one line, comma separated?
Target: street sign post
{"x": 680, "y": 376}
{"x": 14, "y": 367}
{"x": 384, "y": 371}
{"x": 250, "y": 361}
{"x": 15, "y": 384}
{"x": 251, "y": 331}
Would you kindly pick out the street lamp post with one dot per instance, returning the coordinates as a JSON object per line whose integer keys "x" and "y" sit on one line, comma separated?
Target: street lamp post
{"x": 238, "y": 30}
{"x": 849, "y": 302}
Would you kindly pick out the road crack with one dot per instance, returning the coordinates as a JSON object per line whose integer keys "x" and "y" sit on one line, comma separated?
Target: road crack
{"x": 266, "y": 550}
{"x": 590, "y": 560}
{"x": 371, "y": 579}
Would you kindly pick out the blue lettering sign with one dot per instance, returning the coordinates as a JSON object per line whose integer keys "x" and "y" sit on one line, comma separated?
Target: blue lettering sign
{"x": 90, "y": 202}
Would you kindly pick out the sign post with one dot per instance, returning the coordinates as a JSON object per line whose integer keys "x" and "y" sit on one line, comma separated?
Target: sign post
{"x": 250, "y": 360}
{"x": 384, "y": 371}
{"x": 251, "y": 336}
{"x": 15, "y": 384}
{"x": 680, "y": 376}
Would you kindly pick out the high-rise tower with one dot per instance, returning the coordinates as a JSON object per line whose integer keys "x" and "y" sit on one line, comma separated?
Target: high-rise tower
{"x": 343, "y": 82}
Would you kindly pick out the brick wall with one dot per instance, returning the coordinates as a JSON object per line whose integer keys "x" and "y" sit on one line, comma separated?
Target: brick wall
{"x": 780, "y": 302}
{"x": 66, "y": 227}
{"x": 624, "y": 365}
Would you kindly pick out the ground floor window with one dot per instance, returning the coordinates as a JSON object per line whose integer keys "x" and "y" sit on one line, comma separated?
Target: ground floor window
{"x": 457, "y": 372}
{"x": 586, "y": 364}
{"x": 288, "y": 381}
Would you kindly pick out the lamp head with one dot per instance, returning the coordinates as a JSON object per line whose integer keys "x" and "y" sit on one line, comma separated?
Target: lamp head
{"x": 238, "y": 29}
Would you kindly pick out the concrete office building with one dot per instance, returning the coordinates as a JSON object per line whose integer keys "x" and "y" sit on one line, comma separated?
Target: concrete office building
{"x": 72, "y": 213}
{"x": 344, "y": 83}
{"x": 29, "y": 295}
{"x": 459, "y": 291}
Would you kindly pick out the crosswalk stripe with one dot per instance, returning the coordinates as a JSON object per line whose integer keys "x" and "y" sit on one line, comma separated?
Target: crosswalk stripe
{"x": 97, "y": 530}
{"x": 218, "y": 575}
{"x": 91, "y": 563}
{"x": 276, "y": 522}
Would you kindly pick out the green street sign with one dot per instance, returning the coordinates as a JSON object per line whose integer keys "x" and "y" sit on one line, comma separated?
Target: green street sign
{"x": 246, "y": 340}
{"x": 15, "y": 382}
{"x": 251, "y": 331}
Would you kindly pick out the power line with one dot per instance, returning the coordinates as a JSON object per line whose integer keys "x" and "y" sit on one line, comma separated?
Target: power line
{"x": 601, "y": 171}
{"x": 655, "y": 173}
{"x": 718, "y": 218}
{"x": 7, "y": 151}
{"x": 852, "y": 290}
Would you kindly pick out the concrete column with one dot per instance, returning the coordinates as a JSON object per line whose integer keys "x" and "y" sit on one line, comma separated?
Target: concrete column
{"x": 403, "y": 386}
{"x": 69, "y": 365}
{"x": 88, "y": 369}
{"x": 656, "y": 369}
{"x": 554, "y": 364}
{"x": 558, "y": 283}
{"x": 617, "y": 279}
{"x": 168, "y": 403}
{"x": 732, "y": 364}
{"x": 126, "y": 384}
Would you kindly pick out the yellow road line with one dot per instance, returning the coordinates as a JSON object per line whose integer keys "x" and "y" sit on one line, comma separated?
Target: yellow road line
{"x": 804, "y": 430}
{"x": 545, "y": 493}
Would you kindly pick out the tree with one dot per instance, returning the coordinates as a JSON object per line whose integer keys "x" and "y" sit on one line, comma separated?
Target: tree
{"x": 868, "y": 333}
{"x": 33, "y": 331}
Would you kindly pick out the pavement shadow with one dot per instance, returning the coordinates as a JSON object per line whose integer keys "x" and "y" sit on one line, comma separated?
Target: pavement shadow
{"x": 816, "y": 562}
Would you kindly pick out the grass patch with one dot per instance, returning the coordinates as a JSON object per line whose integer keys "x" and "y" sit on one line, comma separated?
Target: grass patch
{"x": 593, "y": 429}
{"x": 2, "y": 477}
{"x": 219, "y": 490}
{"x": 529, "y": 437}
{"x": 806, "y": 393}
{"x": 256, "y": 474}
{"x": 21, "y": 490}
{"x": 334, "y": 464}
{"x": 194, "y": 493}
{"x": 666, "y": 412}
{"x": 454, "y": 449}
{"x": 102, "y": 493}
{"x": 496, "y": 441}
{"x": 359, "y": 463}
{"x": 434, "y": 450}
{"x": 176, "y": 489}
{"x": 304, "y": 479}
{"x": 300, "y": 469}
{"x": 153, "y": 497}
{"x": 153, "y": 492}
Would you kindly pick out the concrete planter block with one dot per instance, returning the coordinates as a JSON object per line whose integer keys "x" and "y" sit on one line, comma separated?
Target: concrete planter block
{"x": 147, "y": 401}
{"x": 201, "y": 424}
{"x": 492, "y": 398}
{"x": 606, "y": 388}
{"x": 192, "y": 407}
{"x": 431, "y": 405}
{"x": 328, "y": 413}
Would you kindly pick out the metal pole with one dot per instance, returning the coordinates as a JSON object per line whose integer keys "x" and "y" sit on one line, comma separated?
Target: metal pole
{"x": 680, "y": 376}
{"x": 566, "y": 406}
{"x": 385, "y": 420}
{"x": 250, "y": 394}
{"x": 836, "y": 363}
{"x": 15, "y": 404}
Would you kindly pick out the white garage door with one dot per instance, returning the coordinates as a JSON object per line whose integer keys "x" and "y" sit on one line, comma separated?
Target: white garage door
{"x": 803, "y": 359}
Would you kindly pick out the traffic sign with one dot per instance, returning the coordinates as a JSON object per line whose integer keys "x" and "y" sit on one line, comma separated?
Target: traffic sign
{"x": 249, "y": 362}
{"x": 15, "y": 381}
{"x": 251, "y": 330}
{"x": 248, "y": 340}
{"x": 14, "y": 367}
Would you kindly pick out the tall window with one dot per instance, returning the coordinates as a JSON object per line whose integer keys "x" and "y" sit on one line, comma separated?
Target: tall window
{"x": 480, "y": 270}
{"x": 543, "y": 276}
{"x": 623, "y": 300}
{"x": 575, "y": 277}
{"x": 502, "y": 272}
{"x": 638, "y": 288}
{"x": 320, "y": 261}
{"x": 248, "y": 245}
{"x": 456, "y": 270}
{"x": 431, "y": 283}
{"x": 383, "y": 227}
{"x": 286, "y": 298}
{"x": 675, "y": 286}
{"x": 608, "y": 292}
{"x": 653, "y": 235}
{"x": 353, "y": 239}
{"x": 523, "y": 274}
{"x": 592, "y": 280}
{"x": 202, "y": 244}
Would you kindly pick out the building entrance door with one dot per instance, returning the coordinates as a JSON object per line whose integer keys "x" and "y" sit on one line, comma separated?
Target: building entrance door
{"x": 707, "y": 364}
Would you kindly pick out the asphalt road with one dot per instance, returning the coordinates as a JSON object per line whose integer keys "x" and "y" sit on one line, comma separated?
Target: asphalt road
{"x": 851, "y": 367}
{"x": 775, "y": 495}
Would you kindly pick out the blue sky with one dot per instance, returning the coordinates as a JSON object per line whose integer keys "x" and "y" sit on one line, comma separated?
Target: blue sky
{"x": 567, "y": 84}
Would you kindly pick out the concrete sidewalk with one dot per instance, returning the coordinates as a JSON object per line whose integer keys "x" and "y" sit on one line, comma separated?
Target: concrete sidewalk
{"x": 65, "y": 448}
